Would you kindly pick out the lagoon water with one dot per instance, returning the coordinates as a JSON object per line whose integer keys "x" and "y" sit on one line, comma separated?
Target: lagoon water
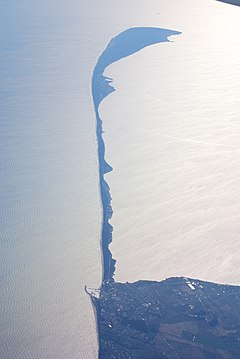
{"x": 172, "y": 136}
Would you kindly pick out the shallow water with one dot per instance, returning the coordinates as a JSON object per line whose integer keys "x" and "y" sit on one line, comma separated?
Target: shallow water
{"x": 123, "y": 45}
{"x": 175, "y": 183}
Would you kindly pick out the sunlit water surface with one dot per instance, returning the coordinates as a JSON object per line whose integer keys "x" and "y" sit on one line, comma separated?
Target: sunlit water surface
{"x": 172, "y": 135}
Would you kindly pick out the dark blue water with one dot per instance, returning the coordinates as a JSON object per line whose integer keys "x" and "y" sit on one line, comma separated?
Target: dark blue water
{"x": 123, "y": 45}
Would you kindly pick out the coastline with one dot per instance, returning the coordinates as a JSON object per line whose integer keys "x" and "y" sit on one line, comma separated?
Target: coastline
{"x": 177, "y": 318}
{"x": 123, "y": 45}
{"x": 149, "y": 319}
{"x": 231, "y": 2}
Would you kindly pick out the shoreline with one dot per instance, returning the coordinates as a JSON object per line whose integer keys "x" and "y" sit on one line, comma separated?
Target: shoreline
{"x": 126, "y": 43}
{"x": 150, "y": 319}
{"x": 175, "y": 318}
{"x": 231, "y": 2}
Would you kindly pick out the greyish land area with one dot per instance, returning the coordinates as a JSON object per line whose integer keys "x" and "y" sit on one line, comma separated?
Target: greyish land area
{"x": 233, "y": 2}
{"x": 178, "y": 318}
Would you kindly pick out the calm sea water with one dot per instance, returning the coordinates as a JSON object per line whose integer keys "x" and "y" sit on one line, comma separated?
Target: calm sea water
{"x": 175, "y": 183}
{"x": 49, "y": 182}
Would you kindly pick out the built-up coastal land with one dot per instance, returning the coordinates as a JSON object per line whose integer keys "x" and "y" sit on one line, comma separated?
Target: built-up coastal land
{"x": 179, "y": 318}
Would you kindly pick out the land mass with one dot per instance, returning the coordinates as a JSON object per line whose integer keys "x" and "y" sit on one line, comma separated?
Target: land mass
{"x": 232, "y": 2}
{"x": 126, "y": 43}
{"x": 178, "y": 318}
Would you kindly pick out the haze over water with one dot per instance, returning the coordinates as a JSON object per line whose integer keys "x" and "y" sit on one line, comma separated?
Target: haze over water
{"x": 172, "y": 136}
